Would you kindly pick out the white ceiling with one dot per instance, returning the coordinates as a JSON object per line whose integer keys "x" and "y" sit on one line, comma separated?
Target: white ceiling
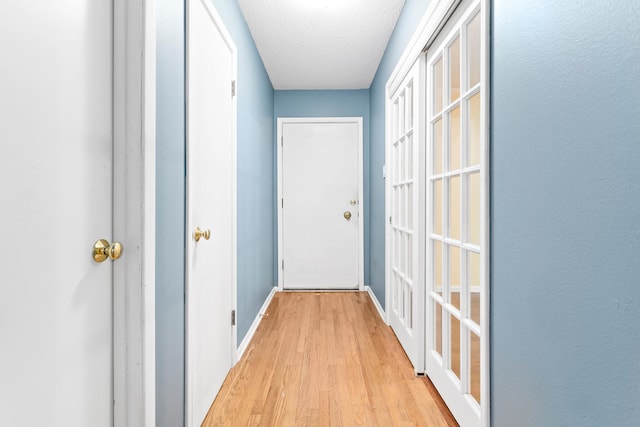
{"x": 321, "y": 44}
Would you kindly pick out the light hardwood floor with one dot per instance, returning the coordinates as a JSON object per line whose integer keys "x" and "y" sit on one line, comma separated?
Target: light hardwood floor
{"x": 325, "y": 359}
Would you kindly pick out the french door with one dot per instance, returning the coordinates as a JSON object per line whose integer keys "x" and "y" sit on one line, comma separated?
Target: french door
{"x": 457, "y": 305}
{"x": 406, "y": 195}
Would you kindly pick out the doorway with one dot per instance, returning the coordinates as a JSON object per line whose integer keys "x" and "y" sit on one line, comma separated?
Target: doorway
{"x": 320, "y": 204}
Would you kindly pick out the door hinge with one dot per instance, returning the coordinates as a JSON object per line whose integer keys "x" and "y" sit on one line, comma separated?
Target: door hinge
{"x": 283, "y": 264}
{"x": 282, "y": 141}
{"x": 233, "y": 318}
{"x": 389, "y": 220}
{"x": 233, "y": 88}
{"x": 282, "y": 202}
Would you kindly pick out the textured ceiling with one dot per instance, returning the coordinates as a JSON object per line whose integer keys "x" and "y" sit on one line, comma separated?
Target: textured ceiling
{"x": 321, "y": 44}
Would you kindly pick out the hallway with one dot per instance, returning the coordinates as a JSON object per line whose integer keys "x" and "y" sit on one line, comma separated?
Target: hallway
{"x": 325, "y": 359}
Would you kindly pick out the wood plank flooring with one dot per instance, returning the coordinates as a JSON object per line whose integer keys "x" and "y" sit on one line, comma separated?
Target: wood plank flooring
{"x": 325, "y": 359}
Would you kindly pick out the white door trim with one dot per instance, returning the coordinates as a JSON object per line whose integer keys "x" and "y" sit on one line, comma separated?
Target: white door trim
{"x": 359, "y": 121}
{"x": 134, "y": 121}
{"x": 485, "y": 209}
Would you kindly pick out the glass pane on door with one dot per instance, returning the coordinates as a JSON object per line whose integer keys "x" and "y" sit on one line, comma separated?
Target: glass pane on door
{"x": 437, "y": 207}
{"x": 454, "y": 139}
{"x": 473, "y": 282}
{"x": 454, "y": 343}
{"x": 454, "y": 208}
{"x": 437, "y": 267}
{"x": 438, "y": 86}
{"x": 454, "y": 276}
{"x": 409, "y": 108}
{"x": 475, "y": 366}
{"x": 473, "y": 129}
{"x": 437, "y": 147}
{"x": 454, "y": 70}
{"x": 437, "y": 327}
{"x": 473, "y": 50}
{"x": 473, "y": 209}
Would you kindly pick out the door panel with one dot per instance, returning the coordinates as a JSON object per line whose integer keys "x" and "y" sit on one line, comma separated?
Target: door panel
{"x": 56, "y": 193}
{"x": 321, "y": 206}
{"x": 211, "y": 207}
{"x": 456, "y": 283}
{"x": 404, "y": 191}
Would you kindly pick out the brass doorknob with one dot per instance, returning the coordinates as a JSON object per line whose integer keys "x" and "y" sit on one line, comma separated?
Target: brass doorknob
{"x": 198, "y": 234}
{"x": 102, "y": 250}
{"x": 347, "y": 215}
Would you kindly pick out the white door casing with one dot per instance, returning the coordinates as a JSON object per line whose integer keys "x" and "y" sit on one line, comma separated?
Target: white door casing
{"x": 405, "y": 195}
{"x": 211, "y": 206}
{"x": 320, "y": 201}
{"x": 134, "y": 193}
{"x": 78, "y": 336}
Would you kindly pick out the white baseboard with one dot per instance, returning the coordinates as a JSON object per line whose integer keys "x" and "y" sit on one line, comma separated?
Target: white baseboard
{"x": 377, "y": 304}
{"x": 254, "y": 326}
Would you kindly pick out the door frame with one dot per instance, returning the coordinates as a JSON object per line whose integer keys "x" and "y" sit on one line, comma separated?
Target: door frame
{"x": 285, "y": 120}
{"x": 219, "y": 23}
{"x": 134, "y": 187}
{"x": 432, "y": 22}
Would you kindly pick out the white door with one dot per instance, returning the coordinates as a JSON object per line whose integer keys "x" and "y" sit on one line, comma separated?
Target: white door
{"x": 210, "y": 264}
{"x": 405, "y": 195}
{"x": 321, "y": 203}
{"x": 56, "y": 194}
{"x": 457, "y": 346}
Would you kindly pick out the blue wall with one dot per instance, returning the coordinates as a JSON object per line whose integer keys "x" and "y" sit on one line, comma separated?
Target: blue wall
{"x": 330, "y": 103}
{"x": 255, "y": 194}
{"x": 407, "y": 23}
{"x": 565, "y": 225}
{"x": 170, "y": 213}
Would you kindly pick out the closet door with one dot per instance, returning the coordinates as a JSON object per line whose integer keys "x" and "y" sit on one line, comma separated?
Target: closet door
{"x": 457, "y": 345}
{"x": 210, "y": 264}
{"x": 405, "y": 193}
